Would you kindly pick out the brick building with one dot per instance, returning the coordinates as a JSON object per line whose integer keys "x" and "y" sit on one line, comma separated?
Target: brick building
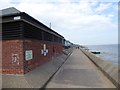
{"x": 26, "y": 42}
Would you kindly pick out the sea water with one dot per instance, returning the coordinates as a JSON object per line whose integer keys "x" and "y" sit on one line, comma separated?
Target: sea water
{"x": 108, "y": 52}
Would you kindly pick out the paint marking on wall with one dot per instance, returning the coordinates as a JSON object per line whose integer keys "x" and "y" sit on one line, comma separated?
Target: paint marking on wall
{"x": 15, "y": 59}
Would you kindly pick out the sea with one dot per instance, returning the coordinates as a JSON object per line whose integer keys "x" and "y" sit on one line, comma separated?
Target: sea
{"x": 108, "y": 52}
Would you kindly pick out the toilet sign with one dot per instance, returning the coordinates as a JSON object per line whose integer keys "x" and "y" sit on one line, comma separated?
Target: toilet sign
{"x": 45, "y": 50}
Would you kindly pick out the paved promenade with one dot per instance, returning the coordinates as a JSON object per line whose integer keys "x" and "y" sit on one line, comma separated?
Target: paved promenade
{"x": 79, "y": 72}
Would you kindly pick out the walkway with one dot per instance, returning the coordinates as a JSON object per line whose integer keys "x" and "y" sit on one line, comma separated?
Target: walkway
{"x": 79, "y": 72}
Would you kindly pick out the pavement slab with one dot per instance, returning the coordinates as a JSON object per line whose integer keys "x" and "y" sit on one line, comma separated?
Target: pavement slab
{"x": 79, "y": 72}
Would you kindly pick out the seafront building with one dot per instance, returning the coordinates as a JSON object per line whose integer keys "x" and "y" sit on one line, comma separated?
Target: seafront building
{"x": 26, "y": 42}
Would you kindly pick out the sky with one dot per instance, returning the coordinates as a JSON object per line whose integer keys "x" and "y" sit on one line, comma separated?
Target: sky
{"x": 84, "y": 22}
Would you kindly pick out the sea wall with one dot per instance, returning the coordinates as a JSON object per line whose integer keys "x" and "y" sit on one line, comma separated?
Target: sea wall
{"x": 111, "y": 70}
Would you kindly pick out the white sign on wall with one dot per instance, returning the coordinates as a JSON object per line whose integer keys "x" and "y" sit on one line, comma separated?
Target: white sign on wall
{"x": 17, "y": 18}
{"x": 28, "y": 55}
{"x": 45, "y": 50}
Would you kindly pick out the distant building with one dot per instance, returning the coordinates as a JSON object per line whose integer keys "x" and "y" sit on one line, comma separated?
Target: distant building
{"x": 26, "y": 42}
{"x": 68, "y": 44}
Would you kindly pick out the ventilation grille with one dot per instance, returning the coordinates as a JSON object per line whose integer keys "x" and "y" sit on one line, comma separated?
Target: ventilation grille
{"x": 32, "y": 32}
{"x": 23, "y": 30}
{"x": 11, "y": 30}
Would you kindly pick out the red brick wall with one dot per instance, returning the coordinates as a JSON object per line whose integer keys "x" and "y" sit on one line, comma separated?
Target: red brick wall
{"x": 13, "y": 55}
{"x": 38, "y": 58}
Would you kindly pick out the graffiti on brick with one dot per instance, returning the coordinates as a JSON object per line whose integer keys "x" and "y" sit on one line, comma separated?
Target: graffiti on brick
{"x": 15, "y": 59}
{"x": 44, "y": 51}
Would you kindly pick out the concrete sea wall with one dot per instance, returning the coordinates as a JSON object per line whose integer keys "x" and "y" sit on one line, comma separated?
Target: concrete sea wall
{"x": 111, "y": 70}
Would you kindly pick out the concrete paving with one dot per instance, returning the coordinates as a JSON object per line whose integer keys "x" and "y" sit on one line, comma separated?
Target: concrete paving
{"x": 79, "y": 72}
{"x": 110, "y": 69}
{"x": 33, "y": 79}
{"x": 36, "y": 78}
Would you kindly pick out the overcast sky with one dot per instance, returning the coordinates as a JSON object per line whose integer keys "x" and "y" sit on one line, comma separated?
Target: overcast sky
{"x": 84, "y": 22}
